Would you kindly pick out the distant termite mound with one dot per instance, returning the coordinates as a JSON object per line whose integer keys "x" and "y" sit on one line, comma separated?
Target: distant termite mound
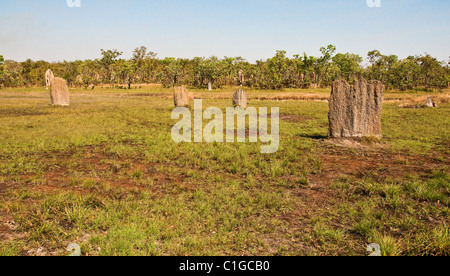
{"x": 240, "y": 99}
{"x": 59, "y": 92}
{"x": 241, "y": 77}
{"x": 48, "y": 78}
{"x": 181, "y": 97}
{"x": 430, "y": 102}
{"x": 355, "y": 110}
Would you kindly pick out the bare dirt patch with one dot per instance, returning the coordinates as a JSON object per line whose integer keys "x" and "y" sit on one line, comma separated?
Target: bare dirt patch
{"x": 7, "y": 228}
{"x": 357, "y": 160}
{"x": 101, "y": 169}
{"x": 293, "y": 118}
{"x": 350, "y": 157}
{"x": 13, "y": 112}
{"x": 5, "y": 187}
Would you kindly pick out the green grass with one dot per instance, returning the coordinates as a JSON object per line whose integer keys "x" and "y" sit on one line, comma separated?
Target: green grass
{"x": 405, "y": 217}
{"x": 418, "y": 130}
{"x": 106, "y": 174}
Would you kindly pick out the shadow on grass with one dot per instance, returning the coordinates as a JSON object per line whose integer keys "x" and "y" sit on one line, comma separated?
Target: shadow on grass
{"x": 313, "y": 136}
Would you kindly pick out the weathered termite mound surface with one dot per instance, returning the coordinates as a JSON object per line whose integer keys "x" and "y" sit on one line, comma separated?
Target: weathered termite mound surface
{"x": 59, "y": 92}
{"x": 241, "y": 77}
{"x": 355, "y": 110}
{"x": 240, "y": 99}
{"x": 430, "y": 102}
{"x": 181, "y": 97}
{"x": 48, "y": 78}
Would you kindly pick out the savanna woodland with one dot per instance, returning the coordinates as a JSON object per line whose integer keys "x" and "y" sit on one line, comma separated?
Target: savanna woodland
{"x": 278, "y": 72}
{"x": 105, "y": 173}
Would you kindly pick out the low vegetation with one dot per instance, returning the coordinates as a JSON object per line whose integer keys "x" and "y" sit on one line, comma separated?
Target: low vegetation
{"x": 105, "y": 173}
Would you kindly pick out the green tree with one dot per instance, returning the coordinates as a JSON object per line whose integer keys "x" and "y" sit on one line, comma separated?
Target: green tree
{"x": 208, "y": 70}
{"x": 142, "y": 63}
{"x": 307, "y": 68}
{"x": 27, "y": 69}
{"x": 405, "y": 74}
{"x": 70, "y": 71}
{"x": 277, "y": 67}
{"x": 127, "y": 70}
{"x": 324, "y": 64}
{"x": 142, "y": 53}
{"x": 12, "y": 74}
{"x": 2, "y": 61}
{"x": 430, "y": 70}
{"x": 381, "y": 68}
{"x": 376, "y": 68}
{"x": 109, "y": 57}
{"x": 348, "y": 65}
{"x": 229, "y": 71}
{"x": 89, "y": 71}
{"x": 172, "y": 72}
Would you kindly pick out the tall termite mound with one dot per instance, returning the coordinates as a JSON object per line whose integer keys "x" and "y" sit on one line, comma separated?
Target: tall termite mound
{"x": 355, "y": 110}
{"x": 48, "y": 78}
{"x": 240, "y": 99}
{"x": 181, "y": 96}
{"x": 241, "y": 77}
{"x": 59, "y": 92}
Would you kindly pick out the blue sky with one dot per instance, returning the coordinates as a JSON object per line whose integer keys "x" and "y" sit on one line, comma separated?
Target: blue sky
{"x": 253, "y": 29}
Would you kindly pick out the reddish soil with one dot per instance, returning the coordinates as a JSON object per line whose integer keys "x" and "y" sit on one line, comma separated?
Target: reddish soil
{"x": 355, "y": 160}
{"x": 337, "y": 159}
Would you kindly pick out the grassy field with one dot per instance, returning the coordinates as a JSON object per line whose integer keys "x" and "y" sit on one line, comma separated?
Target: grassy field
{"x": 105, "y": 173}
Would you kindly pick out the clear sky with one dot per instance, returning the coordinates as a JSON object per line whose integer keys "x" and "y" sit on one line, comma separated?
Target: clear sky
{"x": 254, "y": 29}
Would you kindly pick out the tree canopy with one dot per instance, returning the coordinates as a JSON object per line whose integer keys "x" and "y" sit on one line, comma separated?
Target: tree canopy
{"x": 277, "y": 72}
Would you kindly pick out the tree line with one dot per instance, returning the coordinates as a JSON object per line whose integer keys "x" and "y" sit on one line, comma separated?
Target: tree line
{"x": 277, "y": 72}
